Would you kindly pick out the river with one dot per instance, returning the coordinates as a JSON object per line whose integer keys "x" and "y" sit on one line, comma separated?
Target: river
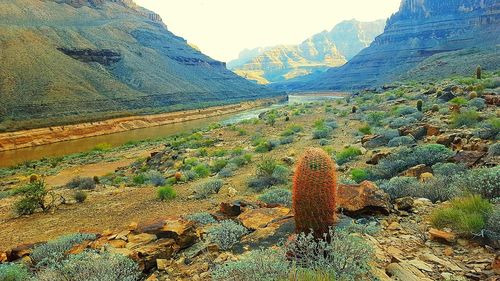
{"x": 14, "y": 157}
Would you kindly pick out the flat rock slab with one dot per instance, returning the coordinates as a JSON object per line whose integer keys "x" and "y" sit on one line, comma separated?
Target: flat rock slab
{"x": 260, "y": 218}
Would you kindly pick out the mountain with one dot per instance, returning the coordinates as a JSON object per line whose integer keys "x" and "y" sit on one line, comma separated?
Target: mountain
{"x": 315, "y": 54}
{"x": 425, "y": 39}
{"x": 74, "y": 60}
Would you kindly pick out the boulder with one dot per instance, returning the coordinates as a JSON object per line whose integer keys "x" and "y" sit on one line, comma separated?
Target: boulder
{"x": 260, "y": 218}
{"x": 447, "y": 96}
{"x": 179, "y": 229}
{"x": 416, "y": 171}
{"x": 377, "y": 157}
{"x": 404, "y": 204}
{"x": 468, "y": 158}
{"x": 364, "y": 198}
{"x": 432, "y": 130}
{"x": 495, "y": 265}
{"x": 405, "y": 271}
{"x": 230, "y": 209}
{"x": 20, "y": 252}
{"x": 160, "y": 249}
{"x": 373, "y": 141}
{"x": 417, "y": 132}
{"x": 492, "y": 99}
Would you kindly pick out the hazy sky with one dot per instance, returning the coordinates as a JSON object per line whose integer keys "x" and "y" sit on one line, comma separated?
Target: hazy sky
{"x": 222, "y": 28}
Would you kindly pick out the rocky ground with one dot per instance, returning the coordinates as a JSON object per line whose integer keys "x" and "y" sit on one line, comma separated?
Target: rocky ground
{"x": 125, "y": 212}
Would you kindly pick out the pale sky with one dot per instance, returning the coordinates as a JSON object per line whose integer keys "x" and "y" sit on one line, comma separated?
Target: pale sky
{"x": 222, "y": 28}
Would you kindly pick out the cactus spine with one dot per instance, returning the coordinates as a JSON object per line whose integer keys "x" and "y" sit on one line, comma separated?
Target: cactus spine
{"x": 314, "y": 193}
{"x": 478, "y": 72}
{"x": 420, "y": 103}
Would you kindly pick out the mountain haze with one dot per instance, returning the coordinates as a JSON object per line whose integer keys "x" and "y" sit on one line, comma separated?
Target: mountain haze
{"x": 425, "y": 39}
{"x": 86, "y": 59}
{"x": 317, "y": 53}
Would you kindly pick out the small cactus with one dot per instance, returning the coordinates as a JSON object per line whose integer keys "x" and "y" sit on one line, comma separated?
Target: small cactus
{"x": 96, "y": 179}
{"x": 354, "y": 109}
{"x": 178, "y": 176}
{"x": 314, "y": 193}
{"x": 33, "y": 178}
{"x": 435, "y": 108}
{"x": 472, "y": 95}
{"x": 419, "y": 105}
{"x": 478, "y": 72}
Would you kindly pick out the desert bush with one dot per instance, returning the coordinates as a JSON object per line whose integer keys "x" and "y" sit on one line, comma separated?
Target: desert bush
{"x": 280, "y": 196}
{"x": 324, "y": 142}
{"x": 405, "y": 158}
{"x": 80, "y": 196}
{"x": 448, "y": 169}
{"x": 139, "y": 179}
{"x": 228, "y": 171}
{"x": 343, "y": 255}
{"x": 401, "y": 141}
{"x": 436, "y": 189}
{"x": 494, "y": 149}
{"x": 226, "y": 234}
{"x": 388, "y": 134}
{"x": 269, "y": 173}
{"x": 458, "y": 101}
{"x": 468, "y": 119}
{"x": 81, "y": 183}
{"x": 401, "y": 122}
{"x": 322, "y": 133}
{"x": 202, "y": 218}
{"x": 465, "y": 215}
{"x": 492, "y": 230}
{"x": 166, "y": 193}
{"x": 490, "y": 129}
{"x": 365, "y": 130}
{"x": 201, "y": 170}
{"x": 359, "y": 175}
{"x": 33, "y": 198}
{"x": 347, "y": 155}
{"x": 242, "y": 160}
{"x": 14, "y": 272}
{"x": 406, "y": 110}
{"x": 155, "y": 178}
{"x": 375, "y": 118}
{"x": 479, "y": 181}
{"x": 92, "y": 266}
{"x": 218, "y": 165}
{"x": 286, "y": 140}
{"x": 292, "y": 130}
{"x": 265, "y": 265}
{"x": 266, "y": 146}
{"x": 102, "y": 147}
{"x": 477, "y": 103}
{"x": 207, "y": 188}
{"x": 54, "y": 251}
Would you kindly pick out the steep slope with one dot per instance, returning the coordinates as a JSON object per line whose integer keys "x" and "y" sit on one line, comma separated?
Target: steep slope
{"x": 425, "y": 39}
{"x": 315, "y": 54}
{"x": 76, "y": 60}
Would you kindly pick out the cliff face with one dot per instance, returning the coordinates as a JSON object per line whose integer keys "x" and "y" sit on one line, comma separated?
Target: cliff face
{"x": 84, "y": 59}
{"x": 315, "y": 54}
{"x": 414, "y": 38}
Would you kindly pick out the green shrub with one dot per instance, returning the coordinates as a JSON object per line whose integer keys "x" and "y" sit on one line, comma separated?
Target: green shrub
{"x": 80, "y": 196}
{"x": 33, "y": 198}
{"x": 202, "y": 218}
{"x": 401, "y": 141}
{"x": 492, "y": 226}
{"x": 201, "y": 170}
{"x": 494, "y": 149}
{"x": 405, "y": 158}
{"x": 477, "y": 103}
{"x": 166, "y": 193}
{"x": 468, "y": 118}
{"x": 292, "y": 130}
{"x": 345, "y": 256}
{"x": 155, "y": 178}
{"x": 54, "y": 251}
{"x": 262, "y": 265}
{"x": 347, "y": 155}
{"x": 82, "y": 183}
{"x": 466, "y": 216}
{"x": 366, "y": 130}
{"x": 269, "y": 173}
{"x": 139, "y": 179}
{"x": 448, "y": 169}
{"x": 458, "y": 101}
{"x": 226, "y": 234}
{"x": 218, "y": 165}
{"x": 207, "y": 188}
{"x": 280, "y": 196}
{"x": 14, "y": 272}
{"x": 436, "y": 189}
{"x": 375, "y": 118}
{"x": 479, "y": 181}
{"x": 101, "y": 147}
{"x": 359, "y": 175}
{"x": 93, "y": 266}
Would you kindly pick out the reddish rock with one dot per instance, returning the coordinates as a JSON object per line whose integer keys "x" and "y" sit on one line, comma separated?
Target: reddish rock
{"x": 4, "y": 257}
{"x": 77, "y": 249}
{"x": 260, "y": 218}
{"x": 362, "y": 198}
{"x": 432, "y": 130}
{"x": 230, "y": 210}
{"x": 492, "y": 99}
{"x": 416, "y": 171}
{"x": 417, "y": 132}
{"x": 495, "y": 265}
{"x": 446, "y": 139}
{"x": 468, "y": 158}
{"x": 437, "y": 234}
{"x": 377, "y": 157}
{"x": 20, "y": 251}
{"x": 160, "y": 249}
{"x": 179, "y": 229}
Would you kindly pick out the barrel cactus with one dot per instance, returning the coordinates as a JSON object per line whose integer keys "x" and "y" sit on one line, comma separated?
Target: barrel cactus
{"x": 478, "y": 72}
{"x": 420, "y": 103}
{"x": 354, "y": 109}
{"x": 314, "y": 192}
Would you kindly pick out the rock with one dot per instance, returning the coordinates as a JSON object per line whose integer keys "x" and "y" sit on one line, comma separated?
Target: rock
{"x": 373, "y": 141}
{"x": 404, "y": 204}
{"x": 432, "y": 130}
{"x": 417, "y": 132}
{"x": 468, "y": 158}
{"x": 492, "y": 99}
{"x": 160, "y": 249}
{"x": 270, "y": 235}
{"x": 123, "y": 251}
{"x": 416, "y": 171}
{"x": 260, "y": 218}
{"x": 79, "y": 248}
{"x": 442, "y": 235}
{"x": 231, "y": 192}
{"x": 132, "y": 226}
{"x": 426, "y": 177}
{"x": 421, "y": 202}
{"x": 448, "y": 251}
{"x": 394, "y": 226}
{"x": 122, "y": 235}
{"x": 448, "y": 265}
{"x": 446, "y": 139}
{"x": 3, "y": 257}
{"x": 117, "y": 243}
{"x": 152, "y": 277}
{"x": 421, "y": 265}
{"x": 20, "y": 251}
{"x": 163, "y": 264}
{"x": 230, "y": 209}
{"x": 495, "y": 265}
{"x": 181, "y": 230}
{"x": 447, "y": 96}
{"x": 138, "y": 239}
{"x": 405, "y": 272}
{"x": 364, "y": 198}
{"x": 377, "y": 157}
